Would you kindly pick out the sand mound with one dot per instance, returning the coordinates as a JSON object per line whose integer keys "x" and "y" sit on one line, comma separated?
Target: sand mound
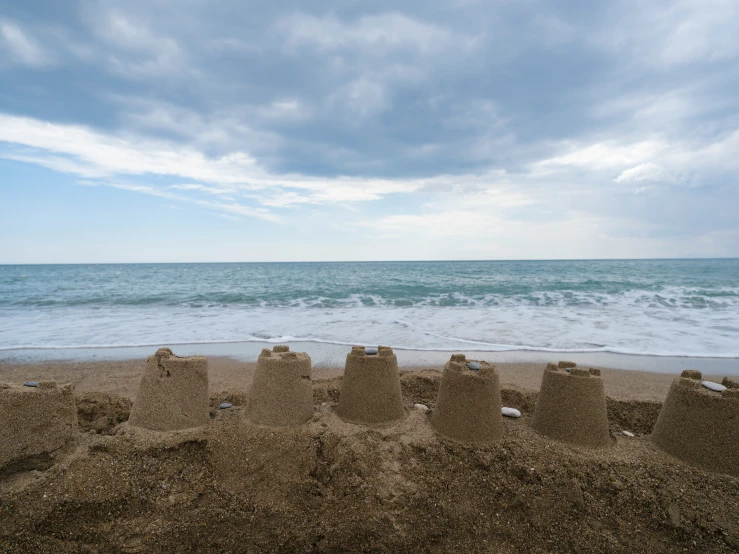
{"x": 35, "y": 422}
{"x": 281, "y": 393}
{"x": 571, "y": 407}
{"x": 370, "y": 390}
{"x": 331, "y": 486}
{"x": 468, "y": 407}
{"x": 173, "y": 393}
{"x": 101, "y": 412}
{"x": 700, "y": 426}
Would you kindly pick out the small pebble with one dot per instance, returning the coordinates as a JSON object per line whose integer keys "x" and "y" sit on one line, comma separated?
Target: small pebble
{"x": 713, "y": 386}
{"x": 628, "y": 433}
{"x": 511, "y": 412}
{"x": 35, "y": 384}
{"x": 421, "y": 407}
{"x": 474, "y": 366}
{"x": 370, "y": 351}
{"x": 225, "y": 405}
{"x": 568, "y": 369}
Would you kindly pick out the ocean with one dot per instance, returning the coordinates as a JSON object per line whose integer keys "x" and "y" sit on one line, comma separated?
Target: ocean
{"x": 640, "y": 307}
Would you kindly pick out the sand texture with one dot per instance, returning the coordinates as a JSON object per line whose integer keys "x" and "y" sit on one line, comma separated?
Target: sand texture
{"x": 468, "y": 408}
{"x": 571, "y": 407}
{"x": 35, "y": 423}
{"x": 281, "y": 393}
{"x": 370, "y": 391}
{"x": 173, "y": 393}
{"x": 701, "y": 426}
{"x": 331, "y": 486}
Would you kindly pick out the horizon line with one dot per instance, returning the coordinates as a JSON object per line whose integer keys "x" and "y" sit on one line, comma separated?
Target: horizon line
{"x": 376, "y": 261}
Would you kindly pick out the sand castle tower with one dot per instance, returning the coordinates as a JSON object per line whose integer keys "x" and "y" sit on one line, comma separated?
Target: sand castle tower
{"x": 370, "y": 390}
{"x": 35, "y": 421}
{"x": 281, "y": 393}
{"x": 468, "y": 407}
{"x": 173, "y": 393}
{"x": 571, "y": 407}
{"x": 701, "y": 426}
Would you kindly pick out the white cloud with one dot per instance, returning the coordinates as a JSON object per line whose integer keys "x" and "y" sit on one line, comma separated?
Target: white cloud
{"x": 360, "y": 99}
{"x": 645, "y": 172}
{"x": 23, "y": 48}
{"x": 605, "y": 155}
{"x": 376, "y": 34}
{"x": 136, "y": 50}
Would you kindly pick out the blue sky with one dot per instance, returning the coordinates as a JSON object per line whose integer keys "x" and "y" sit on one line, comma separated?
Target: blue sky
{"x": 198, "y": 131}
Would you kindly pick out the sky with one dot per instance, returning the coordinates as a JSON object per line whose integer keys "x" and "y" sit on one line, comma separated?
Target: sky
{"x": 194, "y": 131}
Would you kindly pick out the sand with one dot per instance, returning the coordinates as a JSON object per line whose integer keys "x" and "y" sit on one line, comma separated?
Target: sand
{"x": 571, "y": 407}
{"x": 332, "y": 486}
{"x": 370, "y": 391}
{"x": 35, "y": 423}
{"x": 699, "y": 425}
{"x": 468, "y": 406}
{"x": 281, "y": 393}
{"x": 173, "y": 393}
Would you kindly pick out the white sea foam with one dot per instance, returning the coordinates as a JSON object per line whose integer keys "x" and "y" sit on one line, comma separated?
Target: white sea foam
{"x": 654, "y": 332}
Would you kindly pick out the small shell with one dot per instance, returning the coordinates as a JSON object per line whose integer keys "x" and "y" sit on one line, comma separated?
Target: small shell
{"x": 628, "y": 433}
{"x": 225, "y": 405}
{"x": 474, "y": 366}
{"x": 31, "y": 384}
{"x": 421, "y": 407}
{"x": 713, "y": 386}
{"x": 510, "y": 412}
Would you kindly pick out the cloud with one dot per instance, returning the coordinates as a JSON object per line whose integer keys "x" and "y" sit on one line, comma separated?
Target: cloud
{"x": 380, "y": 34}
{"x": 645, "y": 172}
{"x": 22, "y": 47}
{"x": 400, "y": 121}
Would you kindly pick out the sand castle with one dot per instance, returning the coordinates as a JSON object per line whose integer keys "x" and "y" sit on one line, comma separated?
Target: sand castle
{"x": 701, "y": 426}
{"x": 370, "y": 390}
{"x": 34, "y": 423}
{"x": 281, "y": 393}
{"x": 173, "y": 393}
{"x": 468, "y": 407}
{"x": 571, "y": 407}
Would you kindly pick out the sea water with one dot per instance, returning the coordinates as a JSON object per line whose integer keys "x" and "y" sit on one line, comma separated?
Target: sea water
{"x": 649, "y": 307}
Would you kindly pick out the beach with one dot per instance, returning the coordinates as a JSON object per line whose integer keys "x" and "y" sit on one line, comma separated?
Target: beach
{"x": 330, "y": 486}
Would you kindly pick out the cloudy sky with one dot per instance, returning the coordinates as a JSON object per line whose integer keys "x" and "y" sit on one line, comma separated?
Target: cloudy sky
{"x": 188, "y": 130}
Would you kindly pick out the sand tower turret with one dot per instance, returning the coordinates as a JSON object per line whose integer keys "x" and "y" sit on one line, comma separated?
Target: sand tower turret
{"x": 701, "y": 426}
{"x": 281, "y": 393}
{"x": 35, "y": 421}
{"x": 468, "y": 407}
{"x": 370, "y": 390}
{"x": 173, "y": 393}
{"x": 571, "y": 407}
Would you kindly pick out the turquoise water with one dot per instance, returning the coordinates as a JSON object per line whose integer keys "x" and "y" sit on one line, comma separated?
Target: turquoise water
{"x": 662, "y": 307}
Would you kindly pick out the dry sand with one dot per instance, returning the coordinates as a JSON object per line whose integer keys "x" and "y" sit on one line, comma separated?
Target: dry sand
{"x": 332, "y": 486}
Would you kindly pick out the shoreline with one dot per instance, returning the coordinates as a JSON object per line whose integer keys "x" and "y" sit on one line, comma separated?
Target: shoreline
{"x": 332, "y": 356}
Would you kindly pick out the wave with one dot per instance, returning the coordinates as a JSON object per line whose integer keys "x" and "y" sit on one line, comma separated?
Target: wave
{"x": 287, "y": 339}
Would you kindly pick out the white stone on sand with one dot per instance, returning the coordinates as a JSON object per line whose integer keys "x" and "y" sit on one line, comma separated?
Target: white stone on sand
{"x": 421, "y": 407}
{"x": 713, "y": 386}
{"x": 628, "y": 433}
{"x": 510, "y": 412}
